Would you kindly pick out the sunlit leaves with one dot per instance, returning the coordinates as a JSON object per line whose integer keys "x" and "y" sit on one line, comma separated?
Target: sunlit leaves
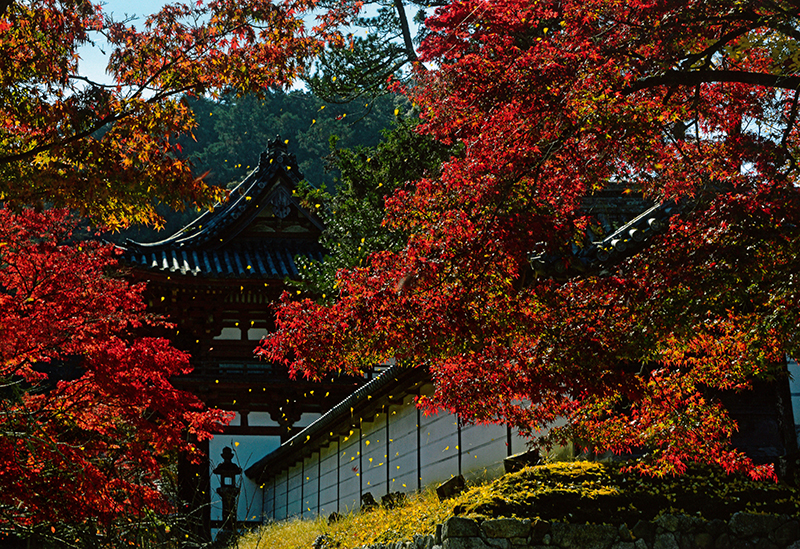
{"x": 557, "y": 104}
{"x": 108, "y": 150}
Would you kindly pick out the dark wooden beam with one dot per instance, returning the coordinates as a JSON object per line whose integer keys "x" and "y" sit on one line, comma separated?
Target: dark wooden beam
{"x": 253, "y": 430}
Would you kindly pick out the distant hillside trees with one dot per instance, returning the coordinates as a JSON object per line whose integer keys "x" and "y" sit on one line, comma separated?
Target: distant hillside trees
{"x": 232, "y": 132}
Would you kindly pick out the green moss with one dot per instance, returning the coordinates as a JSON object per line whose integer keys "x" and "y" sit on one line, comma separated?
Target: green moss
{"x": 602, "y": 492}
{"x": 578, "y": 491}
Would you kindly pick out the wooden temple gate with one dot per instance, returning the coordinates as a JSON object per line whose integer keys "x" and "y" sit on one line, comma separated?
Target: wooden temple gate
{"x": 215, "y": 280}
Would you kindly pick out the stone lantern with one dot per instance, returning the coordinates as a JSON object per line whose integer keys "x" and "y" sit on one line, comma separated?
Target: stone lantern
{"x": 228, "y": 491}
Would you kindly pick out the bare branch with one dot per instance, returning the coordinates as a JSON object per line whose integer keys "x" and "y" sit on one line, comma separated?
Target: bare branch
{"x": 4, "y": 5}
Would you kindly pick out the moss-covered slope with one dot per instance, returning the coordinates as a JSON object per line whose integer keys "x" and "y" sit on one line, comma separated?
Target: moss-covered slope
{"x": 600, "y": 492}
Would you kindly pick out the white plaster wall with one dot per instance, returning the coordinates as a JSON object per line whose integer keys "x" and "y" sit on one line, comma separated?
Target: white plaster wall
{"x": 256, "y": 334}
{"x": 277, "y": 499}
{"x": 375, "y": 457}
{"x": 261, "y": 419}
{"x": 307, "y": 419}
{"x": 403, "y": 447}
{"x": 349, "y": 472}
{"x": 328, "y": 481}
{"x": 229, "y": 334}
{"x": 484, "y": 448}
{"x": 360, "y": 461}
{"x": 439, "y": 447}
{"x": 295, "y": 478}
{"x": 310, "y": 484}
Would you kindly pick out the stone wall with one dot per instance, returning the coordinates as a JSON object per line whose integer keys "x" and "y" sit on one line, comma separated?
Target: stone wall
{"x": 742, "y": 531}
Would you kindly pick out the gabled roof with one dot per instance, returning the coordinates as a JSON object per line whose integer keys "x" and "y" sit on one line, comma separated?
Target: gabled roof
{"x": 255, "y": 234}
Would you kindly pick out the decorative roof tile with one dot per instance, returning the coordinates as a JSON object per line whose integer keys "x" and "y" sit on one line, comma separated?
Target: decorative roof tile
{"x": 256, "y": 234}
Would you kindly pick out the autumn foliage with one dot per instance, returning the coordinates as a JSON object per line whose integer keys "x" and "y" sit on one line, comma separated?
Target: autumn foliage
{"x": 686, "y": 103}
{"x": 108, "y": 149}
{"x": 89, "y": 420}
{"x": 88, "y": 415}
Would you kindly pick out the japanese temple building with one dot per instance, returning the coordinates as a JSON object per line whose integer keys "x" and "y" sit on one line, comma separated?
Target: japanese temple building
{"x": 215, "y": 280}
{"x": 310, "y": 448}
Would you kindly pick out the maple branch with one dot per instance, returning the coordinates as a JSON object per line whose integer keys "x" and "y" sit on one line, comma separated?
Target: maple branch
{"x": 694, "y": 78}
{"x": 92, "y": 128}
{"x": 715, "y": 47}
{"x": 30, "y": 153}
{"x": 788, "y": 30}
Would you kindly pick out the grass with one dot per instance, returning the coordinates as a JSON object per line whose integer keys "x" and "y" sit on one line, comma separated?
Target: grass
{"x": 419, "y": 515}
{"x": 577, "y": 491}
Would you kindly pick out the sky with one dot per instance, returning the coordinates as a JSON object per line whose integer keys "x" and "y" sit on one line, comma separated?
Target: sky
{"x": 93, "y": 61}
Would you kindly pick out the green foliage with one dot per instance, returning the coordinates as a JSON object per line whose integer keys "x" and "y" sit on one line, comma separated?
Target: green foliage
{"x": 584, "y": 491}
{"x": 362, "y": 66}
{"x": 234, "y": 131}
{"x": 231, "y": 134}
{"x": 380, "y": 49}
{"x": 354, "y": 214}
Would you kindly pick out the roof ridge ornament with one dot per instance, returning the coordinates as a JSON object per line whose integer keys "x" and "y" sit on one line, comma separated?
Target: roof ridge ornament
{"x": 278, "y": 151}
{"x": 273, "y": 150}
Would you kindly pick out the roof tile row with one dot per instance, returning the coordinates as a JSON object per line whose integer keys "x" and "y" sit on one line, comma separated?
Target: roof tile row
{"x": 256, "y": 261}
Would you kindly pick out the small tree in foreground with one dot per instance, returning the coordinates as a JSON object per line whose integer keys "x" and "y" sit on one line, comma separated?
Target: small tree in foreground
{"x": 88, "y": 417}
{"x": 692, "y": 104}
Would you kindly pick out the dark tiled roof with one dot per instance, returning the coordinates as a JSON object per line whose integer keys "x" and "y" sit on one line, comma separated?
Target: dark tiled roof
{"x": 626, "y": 226}
{"x": 269, "y": 260}
{"x": 219, "y": 244}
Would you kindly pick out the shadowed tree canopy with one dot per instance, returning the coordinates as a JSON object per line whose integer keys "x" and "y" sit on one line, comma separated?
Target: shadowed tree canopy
{"x": 89, "y": 420}
{"x": 354, "y": 214}
{"x": 238, "y": 129}
{"x": 88, "y": 417}
{"x": 689, "y": 106}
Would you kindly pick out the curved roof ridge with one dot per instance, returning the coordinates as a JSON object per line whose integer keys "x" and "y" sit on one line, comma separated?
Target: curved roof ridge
{"x": 242, "y": 199}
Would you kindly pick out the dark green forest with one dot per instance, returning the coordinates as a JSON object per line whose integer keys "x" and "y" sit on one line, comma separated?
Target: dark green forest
{"x": 232, "y": 132}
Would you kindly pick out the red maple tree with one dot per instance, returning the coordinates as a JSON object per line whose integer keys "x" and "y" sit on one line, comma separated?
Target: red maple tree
{"x": 690, "y": 104}
{"x": 88, "y": 412}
